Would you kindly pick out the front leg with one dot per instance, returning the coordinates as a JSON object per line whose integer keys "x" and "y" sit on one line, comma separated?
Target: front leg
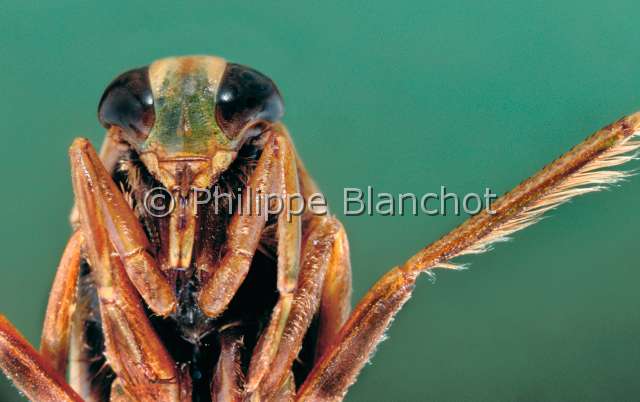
{"x": 275, "y": 174}
{"x": 105, "y": 205}
{"x": 144, "y": 368}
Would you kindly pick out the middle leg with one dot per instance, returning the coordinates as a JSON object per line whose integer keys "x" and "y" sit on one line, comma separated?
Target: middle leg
{"x": 56, "y": 330}
{"x": 325, "y": 260}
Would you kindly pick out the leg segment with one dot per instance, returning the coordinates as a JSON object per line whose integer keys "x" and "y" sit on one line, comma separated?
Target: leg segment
{"x": 287, "y": 391}
{"x": 89, "y": 373}
{"x": 335, "y": 303}
{"x": 105, "y": 205}
{"x": 29, "y": 371}
{"x": 577, "y": 172}
{"x": 56, "y": 331}
{"x": 339, "y": 366}
{"x": 133, "y": 350}
{"x": 228, "y": 380}
{"x": 274, "y": 174}
{"x": 289, "y": 237}
{"x": 111, "y": 152}
{"x": 322, "y": 253}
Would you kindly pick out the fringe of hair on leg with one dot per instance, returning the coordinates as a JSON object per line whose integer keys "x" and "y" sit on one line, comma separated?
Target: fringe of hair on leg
{"x": 584, "y": 169}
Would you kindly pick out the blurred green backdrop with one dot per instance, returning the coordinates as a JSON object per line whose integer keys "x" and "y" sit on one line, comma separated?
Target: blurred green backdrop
{"x": 404, "y": 96}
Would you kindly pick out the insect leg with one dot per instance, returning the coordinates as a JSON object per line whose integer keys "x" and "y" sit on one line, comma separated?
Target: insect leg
{"x": 54, "y": 342}
{"x": 287, "y": 391}
{"x": 88, "y": 374}
{"x": 289, "y": 238}
{"x": 111, "y": 151}
{"x": 338, "y": 367}
{"x": 335, "y": 303}
{"x": 273, "y": 174}
{"x": 228, "y": 379}
{"x": 108, "y": 214}
{"x": 322, "y": 252}
{"x": 29, "y": 371}
{"x": 132, "y": 348}
{"x": 579, "y": 171}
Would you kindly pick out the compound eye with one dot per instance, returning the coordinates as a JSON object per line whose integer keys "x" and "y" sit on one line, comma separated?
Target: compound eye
{"x": 246, "y": 98}
{"x": 128, "y": 104}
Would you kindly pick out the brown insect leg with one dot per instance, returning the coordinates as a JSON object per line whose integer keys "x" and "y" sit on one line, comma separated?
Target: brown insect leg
{"x": 289, "y": 238}
{"x": 339, "y": 366}
{"x": 287, "y": 391}
{"x": 132, "y": 348}
{"x": 54, "y": 342}
{"x": 267, "y": 346}
{"x": 228, "y": 379}
{"x": 273, "y": 175}
{"x": 111, "y": 152}
{"x": 82, "y": 352}
{"x": 32, "y": 374}
{"x": 119, "y": 392}
{"x": 335, "y": 303}
{"x": 322, "y": 251}
{"x": 566, "y": 177}
{"x": 106, "y": 208}
{"x": 308, "y": 186}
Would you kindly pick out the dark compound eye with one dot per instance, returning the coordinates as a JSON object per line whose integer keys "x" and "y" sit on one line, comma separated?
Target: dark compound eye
{"x": 246, "y": 97}
{"x": 128, "y": 103}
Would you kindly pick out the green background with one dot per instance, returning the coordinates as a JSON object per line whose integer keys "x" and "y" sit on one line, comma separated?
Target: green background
{"x": 404, "y": 96}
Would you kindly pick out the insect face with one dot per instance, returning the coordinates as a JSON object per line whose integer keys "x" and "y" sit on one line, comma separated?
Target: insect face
{"x": 187, "y": 117}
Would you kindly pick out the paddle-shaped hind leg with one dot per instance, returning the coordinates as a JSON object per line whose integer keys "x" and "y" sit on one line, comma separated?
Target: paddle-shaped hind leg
{"x": 579, "y": 171}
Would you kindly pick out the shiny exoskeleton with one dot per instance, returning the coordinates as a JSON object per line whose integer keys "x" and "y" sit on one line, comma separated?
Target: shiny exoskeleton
{"x": 162, "y": 295}
{"x": 201, "y": 123}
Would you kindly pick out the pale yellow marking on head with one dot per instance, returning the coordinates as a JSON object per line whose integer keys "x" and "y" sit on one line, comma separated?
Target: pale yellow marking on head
{"x": 185, "y": 65}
